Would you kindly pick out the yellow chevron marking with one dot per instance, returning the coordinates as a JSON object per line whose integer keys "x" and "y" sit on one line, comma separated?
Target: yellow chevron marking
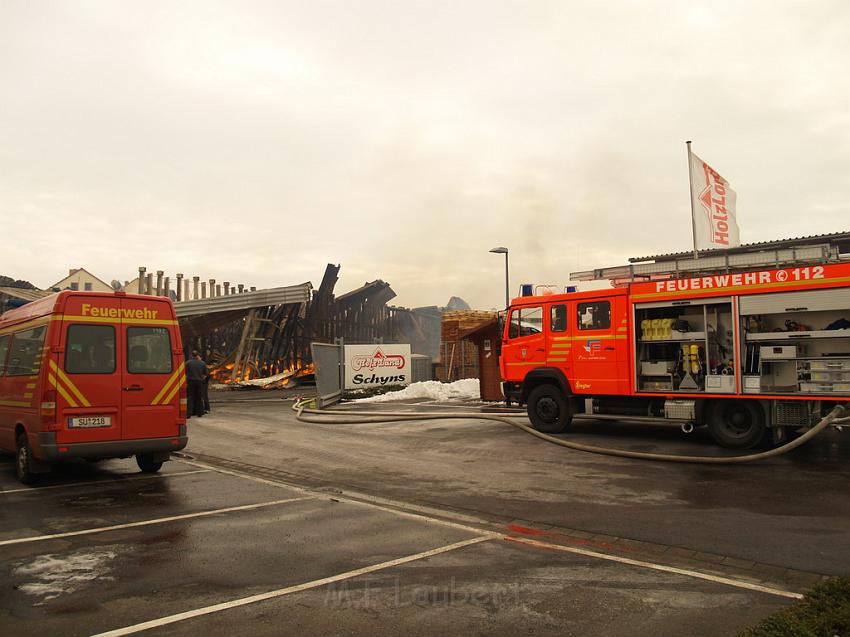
{"x": 61, "y": 376}
{"x": 61, "y": 390}
{"x": 170, "y": 396}
{"x": 167, "y": 385}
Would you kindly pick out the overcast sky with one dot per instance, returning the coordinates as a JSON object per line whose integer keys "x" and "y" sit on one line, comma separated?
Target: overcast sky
{"x": 257, "y": 141}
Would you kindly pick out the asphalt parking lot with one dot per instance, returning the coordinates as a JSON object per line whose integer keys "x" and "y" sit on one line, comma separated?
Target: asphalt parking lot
{"x": 252, "y": 542}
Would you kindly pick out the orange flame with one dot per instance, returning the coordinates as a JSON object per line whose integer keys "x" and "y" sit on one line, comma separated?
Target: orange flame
{"x": 224, "y": 374}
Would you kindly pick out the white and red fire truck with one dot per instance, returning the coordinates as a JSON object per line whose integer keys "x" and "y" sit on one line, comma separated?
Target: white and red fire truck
{"x": 747, "y": 353}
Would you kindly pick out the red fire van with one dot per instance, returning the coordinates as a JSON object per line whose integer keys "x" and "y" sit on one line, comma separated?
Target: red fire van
{"x": 91, "y": 375}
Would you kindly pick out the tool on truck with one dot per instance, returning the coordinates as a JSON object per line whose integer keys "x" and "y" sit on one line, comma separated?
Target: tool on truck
{"x": 747, "y": 354}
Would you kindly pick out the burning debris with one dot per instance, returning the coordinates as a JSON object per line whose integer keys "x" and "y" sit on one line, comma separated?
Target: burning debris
{"x": 290, "y": 378}
{"x": 262, "y": 338}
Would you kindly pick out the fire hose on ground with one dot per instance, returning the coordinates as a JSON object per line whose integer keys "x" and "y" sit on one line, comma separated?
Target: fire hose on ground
{"x": 835, "y": 417}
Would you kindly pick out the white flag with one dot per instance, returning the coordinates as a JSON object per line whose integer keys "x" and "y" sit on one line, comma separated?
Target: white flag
{"x": 715, "y": 225}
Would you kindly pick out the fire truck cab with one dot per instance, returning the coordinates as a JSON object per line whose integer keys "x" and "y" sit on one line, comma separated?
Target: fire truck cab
{"x": 746, "y": 354}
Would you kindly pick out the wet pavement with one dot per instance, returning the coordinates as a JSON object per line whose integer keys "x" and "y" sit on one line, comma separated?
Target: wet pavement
{"x": 790, "y": 512}
{"x": 269, "y": 526}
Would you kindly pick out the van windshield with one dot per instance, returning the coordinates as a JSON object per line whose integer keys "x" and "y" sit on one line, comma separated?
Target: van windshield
{"x": 90, "y": 349}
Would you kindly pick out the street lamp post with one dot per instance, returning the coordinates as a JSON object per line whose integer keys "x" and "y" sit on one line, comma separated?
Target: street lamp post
{"x": 507, "y": 278}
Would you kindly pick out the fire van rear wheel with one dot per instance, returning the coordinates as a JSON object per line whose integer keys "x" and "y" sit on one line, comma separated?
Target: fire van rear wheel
{"x": 736, "y": 424}
{"x": 147, "y": 464}
{"x": 23, "y": 460}
{"x": 549, "y": 410}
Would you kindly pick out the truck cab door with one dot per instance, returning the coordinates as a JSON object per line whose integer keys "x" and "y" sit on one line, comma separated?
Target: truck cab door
{"x": 560, "y": 338}
{"x": 525, "y": 347}
{"x": 600, "y": 347}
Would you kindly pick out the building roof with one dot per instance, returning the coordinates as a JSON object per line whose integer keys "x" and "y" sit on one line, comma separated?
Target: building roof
{"x": 73, "y": 272}
{"x": 834, "y": 237}
{"x": 481, "y": 330}
{"x": 24, "y": 294}
{"x": 244, "y": 301}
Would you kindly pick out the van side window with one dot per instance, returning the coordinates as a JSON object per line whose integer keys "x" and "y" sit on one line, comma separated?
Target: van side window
{"x": 90, "y": 349}
{"x": 4, "y": 349}
{"x": 594, "y": 316}
{"x": 558, "y": 318}
{"x": 25, "y": 352}
{"x": 526, "y": 321}
{"x": 148, "y": 350}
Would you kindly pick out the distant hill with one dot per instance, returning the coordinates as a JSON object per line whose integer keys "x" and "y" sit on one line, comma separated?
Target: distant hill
{"x": 457, "y": 303}
{"x": 9, "y": 282}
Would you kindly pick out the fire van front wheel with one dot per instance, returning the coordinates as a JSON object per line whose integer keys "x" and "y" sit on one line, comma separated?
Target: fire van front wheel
{"x": 23, "y": 461}
{"x": 147, "y": 464}
{"x": 549, "y": 410}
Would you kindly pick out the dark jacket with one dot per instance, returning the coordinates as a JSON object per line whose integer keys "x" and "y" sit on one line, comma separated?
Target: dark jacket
{"x": 196, "y": 370}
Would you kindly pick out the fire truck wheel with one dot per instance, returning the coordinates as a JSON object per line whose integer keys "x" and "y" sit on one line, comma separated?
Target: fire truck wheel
{"x": 146, "y": 463}
{"x": 549, "y": 410}
{"x": 736, "y": 424}
{"x": 23, "y": 461}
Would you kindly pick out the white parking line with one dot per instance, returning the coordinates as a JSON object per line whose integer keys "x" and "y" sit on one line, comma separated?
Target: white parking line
{"x": 540, "y": 544}
{"x": 173, "y": 518}
{"x": 404, "y": 514}
{"x": 246, "y": 476}
{"x": 253, "y": 599}
{"x": 132, "y": 476}
{"x": 656, "y": 567}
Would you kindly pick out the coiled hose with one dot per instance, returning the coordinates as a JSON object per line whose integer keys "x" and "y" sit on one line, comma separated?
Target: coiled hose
{"x": 835, "y": 417}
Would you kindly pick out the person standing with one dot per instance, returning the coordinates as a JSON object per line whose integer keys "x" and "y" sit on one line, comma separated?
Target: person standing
{"x": 196, "y": 374}
{"x": 206, "y": 394}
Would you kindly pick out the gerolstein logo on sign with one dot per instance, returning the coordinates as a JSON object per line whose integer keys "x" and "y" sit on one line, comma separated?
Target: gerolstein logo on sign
{"x": 380, "y": 362}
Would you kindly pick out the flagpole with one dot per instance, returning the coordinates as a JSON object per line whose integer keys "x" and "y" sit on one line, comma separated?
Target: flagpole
{"x": 693, "y": 213}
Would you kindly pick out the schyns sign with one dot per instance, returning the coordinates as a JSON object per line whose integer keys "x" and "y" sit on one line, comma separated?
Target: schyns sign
{"x": 376, "y": 365}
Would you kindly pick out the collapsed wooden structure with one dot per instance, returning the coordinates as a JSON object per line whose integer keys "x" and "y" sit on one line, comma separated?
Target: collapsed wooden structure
{"x": 263, "y": 337}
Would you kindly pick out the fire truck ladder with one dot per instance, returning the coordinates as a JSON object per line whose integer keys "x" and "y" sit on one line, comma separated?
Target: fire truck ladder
{"x": 712, "y": 262}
